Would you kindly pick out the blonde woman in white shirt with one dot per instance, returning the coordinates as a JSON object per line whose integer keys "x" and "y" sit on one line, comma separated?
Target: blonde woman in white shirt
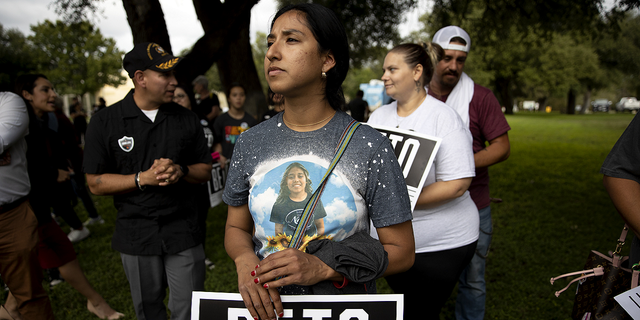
{"x": 445, "y": 220}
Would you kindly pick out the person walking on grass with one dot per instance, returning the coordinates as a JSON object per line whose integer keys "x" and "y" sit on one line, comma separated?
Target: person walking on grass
{"x": 45, "y": 160}
{"x": 19, "y": 266}
{"x": 150, "y": 153}
{"x": 481, "y": 112}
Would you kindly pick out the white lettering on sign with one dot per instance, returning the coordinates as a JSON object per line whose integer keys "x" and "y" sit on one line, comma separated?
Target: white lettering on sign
{"x": 238, "y": 313}
{"x": 409, "y": 146}
{"x": 414, "y": 145}
{"x": 288, "y": 313}
{"x": 217, "y": 179}
{"x": 359, "y": 314}
{"x": 316, "y": 314}
{"x": 395, "y": 139}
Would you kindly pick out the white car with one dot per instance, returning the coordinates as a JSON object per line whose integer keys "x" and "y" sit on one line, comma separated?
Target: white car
{"x": 628, "y": 104}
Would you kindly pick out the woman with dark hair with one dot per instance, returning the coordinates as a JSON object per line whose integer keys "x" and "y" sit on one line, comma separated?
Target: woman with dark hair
{"x": 45, "y": 174}
{"x": 228, "y": 126}
{"x": 295, "y": 192}
{"x": 445, "y": 217}
{"x": 306, "y": 62}
{"x": 184, "y": 97}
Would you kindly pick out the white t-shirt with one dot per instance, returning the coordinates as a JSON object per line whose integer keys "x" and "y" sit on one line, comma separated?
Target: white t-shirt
{"x": 455, "y": 223}
{"x": 14, "y": 126}
{"x": 151, "y": 114}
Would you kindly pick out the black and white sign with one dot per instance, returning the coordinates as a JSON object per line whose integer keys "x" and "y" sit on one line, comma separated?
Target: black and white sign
{"x": 229, "y": 306}
{"x": 216, "y": 184}
{"x": 415, "y": 152}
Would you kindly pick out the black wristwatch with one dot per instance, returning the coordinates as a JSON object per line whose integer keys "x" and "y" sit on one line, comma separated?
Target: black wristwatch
{"x": 185, "y": 170}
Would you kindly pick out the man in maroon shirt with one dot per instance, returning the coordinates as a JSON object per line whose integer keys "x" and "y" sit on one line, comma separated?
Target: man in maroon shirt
{"x": 479, "y": 108}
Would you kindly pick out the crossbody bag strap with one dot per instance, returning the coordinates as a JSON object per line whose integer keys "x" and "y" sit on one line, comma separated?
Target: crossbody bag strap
{"x": 307, "y": 214}
{"x": 635, "y": 269}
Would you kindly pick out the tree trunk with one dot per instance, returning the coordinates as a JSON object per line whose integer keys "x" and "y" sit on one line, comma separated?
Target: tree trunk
{"x": 236, "y": 65}
{"x": 571, "y": 102}
{"x": 503, "y": 86}
{"x": 585, "y": 101}
{"x": 226, "y": 41}
{"x": 542, "y": 102}
{"x": 146, "y": 20}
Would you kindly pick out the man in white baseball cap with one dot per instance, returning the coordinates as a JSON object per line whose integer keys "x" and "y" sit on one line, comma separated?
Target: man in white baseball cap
{"x": 481, "y": 111}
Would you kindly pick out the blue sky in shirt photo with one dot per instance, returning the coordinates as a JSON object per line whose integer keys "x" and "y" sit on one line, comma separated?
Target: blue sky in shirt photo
{"x": 336, "y": 198}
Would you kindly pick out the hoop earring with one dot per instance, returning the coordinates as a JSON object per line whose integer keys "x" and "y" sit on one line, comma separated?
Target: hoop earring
{"x": 324, "y": 75}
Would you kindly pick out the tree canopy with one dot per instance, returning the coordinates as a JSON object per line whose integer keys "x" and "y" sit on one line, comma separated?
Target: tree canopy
{"x": 16, "y": 57}
{"x": 74, "y": 56}
{"x": 532, "y": 45}
{"x": 226, "y": 40}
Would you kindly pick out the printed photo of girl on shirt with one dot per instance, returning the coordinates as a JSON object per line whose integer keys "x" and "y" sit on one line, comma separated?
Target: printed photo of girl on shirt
{"x": 295, "y": 192}
{"x": 281, "y": 193}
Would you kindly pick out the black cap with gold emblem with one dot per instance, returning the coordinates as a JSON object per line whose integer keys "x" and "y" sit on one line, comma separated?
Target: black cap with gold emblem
{"x": 148, "y": 55}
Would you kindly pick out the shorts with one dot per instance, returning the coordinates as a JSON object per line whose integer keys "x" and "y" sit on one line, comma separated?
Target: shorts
{"x": 54, "y": 248}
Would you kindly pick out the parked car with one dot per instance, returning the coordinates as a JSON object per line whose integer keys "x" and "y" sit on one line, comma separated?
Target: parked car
{"x": 628, "y": 104}
{"x": 601, "y": 105}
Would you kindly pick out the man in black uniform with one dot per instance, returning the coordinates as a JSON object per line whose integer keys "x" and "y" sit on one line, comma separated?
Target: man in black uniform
{"x": 151, "y": 155}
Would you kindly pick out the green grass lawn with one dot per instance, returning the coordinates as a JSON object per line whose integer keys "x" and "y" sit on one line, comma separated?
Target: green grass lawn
{"x": 555, "y": 210}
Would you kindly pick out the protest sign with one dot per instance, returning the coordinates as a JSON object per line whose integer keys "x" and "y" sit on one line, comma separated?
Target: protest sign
{"x": 415, "y": 152}
{"x": 216, "y": 184}
{"x": 229, "y": 306}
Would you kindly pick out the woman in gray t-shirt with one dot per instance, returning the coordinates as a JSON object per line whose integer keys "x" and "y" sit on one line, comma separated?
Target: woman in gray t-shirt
{"x": 307, "y": 61}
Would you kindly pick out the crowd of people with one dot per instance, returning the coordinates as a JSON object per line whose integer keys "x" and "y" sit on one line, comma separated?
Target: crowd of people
{"x": 153, "y": 151}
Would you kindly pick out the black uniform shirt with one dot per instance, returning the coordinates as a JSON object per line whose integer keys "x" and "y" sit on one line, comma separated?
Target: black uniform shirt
{"x": 122, "y": 140}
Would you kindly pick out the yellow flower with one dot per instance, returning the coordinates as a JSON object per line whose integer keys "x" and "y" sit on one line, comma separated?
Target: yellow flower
{"x": 277, "y": 243}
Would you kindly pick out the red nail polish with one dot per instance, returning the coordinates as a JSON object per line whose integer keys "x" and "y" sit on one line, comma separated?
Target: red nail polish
{"x": 255, "y": 318}
{"x": 257, "y": 266}
{"x": 266, "y": 286}
{"x": 256, "y": 280}
{"x": 253, "y": 273}
{"x": 281, "y": 314}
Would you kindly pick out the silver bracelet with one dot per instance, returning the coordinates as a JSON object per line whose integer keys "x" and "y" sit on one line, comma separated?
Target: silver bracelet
{"x": 141, "y": 187}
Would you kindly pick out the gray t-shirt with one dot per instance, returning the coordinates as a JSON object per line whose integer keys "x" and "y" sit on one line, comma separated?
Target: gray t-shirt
{"x": 366, "y": 184}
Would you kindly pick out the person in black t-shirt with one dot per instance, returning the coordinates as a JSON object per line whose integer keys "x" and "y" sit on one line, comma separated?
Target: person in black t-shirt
{"x": 621, "y": 171}
{"x": 231, "y": 124}
{"x": 207, "y": 105}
